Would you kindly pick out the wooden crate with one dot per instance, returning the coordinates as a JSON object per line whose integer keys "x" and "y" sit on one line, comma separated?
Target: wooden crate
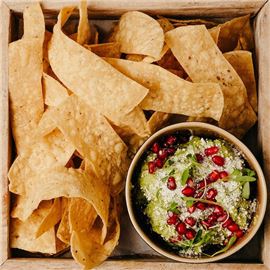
{"x": 113, "y": 8}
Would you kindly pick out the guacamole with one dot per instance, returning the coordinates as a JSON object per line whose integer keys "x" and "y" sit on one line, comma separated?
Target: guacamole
{"x": 197, "y": 193}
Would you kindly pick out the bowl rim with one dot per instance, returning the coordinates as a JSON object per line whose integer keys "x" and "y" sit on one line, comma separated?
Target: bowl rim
{"x": 227, "y": 136}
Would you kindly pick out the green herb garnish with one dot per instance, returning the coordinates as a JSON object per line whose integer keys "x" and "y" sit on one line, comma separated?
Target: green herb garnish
{"x": 246, "y": 190}
{"x": 230, "y": 243}
{"x": 174, "y": 208}
{"x": 185, "y": 176}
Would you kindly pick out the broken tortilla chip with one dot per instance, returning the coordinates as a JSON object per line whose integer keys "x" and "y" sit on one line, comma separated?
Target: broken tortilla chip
{"x": 171, "y": 94}
{"x": 111, "y": 49}
{"x": 54, "y": 91}
{"x": 68, "y": 58}
{"x": 22, "y": 234}
{"x": 243, "y": 64}
{"x": 138, "y": 33}
{"x": 238, "y": 116}
{"x": 157, "y": 121}
{"x": 84, "y": 32}
{"x": 63, "y": 231}
{"x": 25, "y": 72}
{"x": 230, "y": 33}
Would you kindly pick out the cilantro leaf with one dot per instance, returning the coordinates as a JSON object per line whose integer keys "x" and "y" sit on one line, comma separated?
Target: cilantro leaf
{"x": 174, "y": 208}
{"x": 248, "y": 172}
{"x": 230, "y": 243}
{"x": 185, "y": 176}
{"x": 246, "y": 190}
{"x": 244, "y": 179}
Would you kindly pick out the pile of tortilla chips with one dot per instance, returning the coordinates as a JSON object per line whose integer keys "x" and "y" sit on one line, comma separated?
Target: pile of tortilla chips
{"x": 80, "y": 109}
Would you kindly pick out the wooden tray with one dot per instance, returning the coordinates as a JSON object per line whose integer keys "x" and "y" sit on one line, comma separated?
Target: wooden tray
{"x": 256, "y": 255}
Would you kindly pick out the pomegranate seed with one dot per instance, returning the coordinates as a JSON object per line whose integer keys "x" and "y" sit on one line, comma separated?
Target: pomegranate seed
{"x": 239, "y": 233}
{"x": 190, "y": 234}
{"x": 162, "y": 154}
{"x": 190, "y": 221}
{"x": 201, "y": 206}
{"x": 199, "y": 158}
{"x": 227, "y": 223}
{"x": 155, "y": 148}
{"x": 191, "y": 209}
{"x": 188, "y": 191}
{"x": 218, "y": 160}
{"x": 211, "y": 150}
{"x": 233, "y": 227}
{"x": 206, "y": 223}
{"x": 171, "y": 140}
{"x": 190, "y": 182}
{"x": 181, "y": 228}
{"x": 201, "y": 184}
{"x": 222, "y": 218}
{"x": 171, "y": 185}
{"x": 198, "y": 194}
{"x": 172, "y": 220}
{"x": 171, "y": 151}
{"x": 213, "y": 176}
{"x": 218, "y": 210}
{"x": 212, "y": 219}
{"x": 211, "y": 194}
{"x": 159, "y": 162}
{"x": 179, "y": 237}
{"x": 151, "y": 167}
{"x": 223, "y": 174}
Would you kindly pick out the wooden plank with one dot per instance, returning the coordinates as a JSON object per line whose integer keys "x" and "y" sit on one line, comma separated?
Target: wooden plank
{"x": 37, "y": 264}
{"x": 4, "y": 135}
{"x": 210, "y": 8}
{"x": 262, "y": 39}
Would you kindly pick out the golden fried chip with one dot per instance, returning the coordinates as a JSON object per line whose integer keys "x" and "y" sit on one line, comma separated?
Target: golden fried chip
{"x": 64, "y": 182}
{"x": 111, "y": 49}
{"x": 94, "y": 138}
{"x": 88, "y": 251}
{"x": 157, "y": 121}
{"x": 51, "y": 219}
{"x": 138, "y": 33}
{"x": 84, "y": 32}
{"x": 63, "y": 231}
{"x": 246, "y": 38}
{"x": 171, "y": 94}
{"x": 25, "y": 72}
{"x": 196, "y": 58}
{"x": 68, "y": 58}
{"x": 214, "y": 32}
{"x": 243, "y": 65}
{"x": 23, "y": 234}
{"x": 82, "y": 215}
{"x": 230, "y": 32}
{"x": 47, "y": 39}
{"x": 52, "y": 150}
{"x": 165, "y": 24}
{"x": 54, "y": 92}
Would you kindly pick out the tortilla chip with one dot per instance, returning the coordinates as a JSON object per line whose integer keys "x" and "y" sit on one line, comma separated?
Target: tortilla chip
{"x": 82, "y": 215}
{"x": 243, "y": 65}
{"x": 157, "y": 121}
{"x": 94, "y": 137}
{"x": 64, "y": 182}
{"x": 68, "y": 58}
{"x": 84, "y": 32}
{"x": 25, "y": 72}
{"x": 138, "y": 33}
{"x": 171, "y": 94}
{"x": 214, "y": 32}
{"x": 22, "y": 234}
{"x": 51, "y": 151}
{"x": 63, "y": 231}
{"x": 55, "y": 93}
{"x": 47, "y": 39}
{"x": 230, "y": 32}
{"x": 111, "y": 49}
{"x": 165, "y": 24}
{"x": 246, "y": 38}
{"x": 88, "y": 251}
{"x": 238, "y": 116}
{"x": 52, "y": 218}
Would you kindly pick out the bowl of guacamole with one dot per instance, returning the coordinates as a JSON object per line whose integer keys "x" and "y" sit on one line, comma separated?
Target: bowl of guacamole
{"x": 195, "y": 193}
